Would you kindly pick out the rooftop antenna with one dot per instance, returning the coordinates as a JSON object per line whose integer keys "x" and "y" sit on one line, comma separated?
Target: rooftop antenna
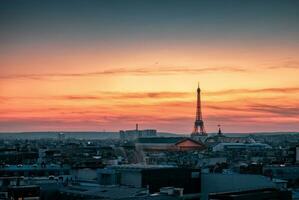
{"x": 219, "y": 129}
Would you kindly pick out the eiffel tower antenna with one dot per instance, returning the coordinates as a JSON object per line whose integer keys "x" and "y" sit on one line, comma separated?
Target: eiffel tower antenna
{"x": 199, "y": 128}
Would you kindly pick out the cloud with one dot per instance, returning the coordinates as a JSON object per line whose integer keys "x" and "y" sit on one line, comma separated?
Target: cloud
{"x": 288, "y": 64}
{"x": 171, "y": 115}
{"x": 3, "y": 99}
{"x": 127, "y": 95}
{"x": 167, "y": 110}
{"x": 173, "y": 123}
{"x": 281, "y": 110}
{"x": 145, "y": 71}
{"x": 108, "y": 95}
{"x": 254, "y": 91}
{"x": 77, "y": 97}
{"x": 154, "y": 95}
{"x": 102, "y": 95}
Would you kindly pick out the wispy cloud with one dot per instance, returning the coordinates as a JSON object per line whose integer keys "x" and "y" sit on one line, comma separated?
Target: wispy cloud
{"x": 156, "y": 95}
{"x": 127, "y": 95}
{"x": 107, "y": 95}
{"x": 170, "y": 108}
{"x": 144, "y": 71}
{"x": 164, "y": 109}
{"x": 254, "y": 91}
{"x": 281, "y": 110}
{"x": 259, "y": 108}
{"x": 150, "y": 70}
{"x": 288, "y": 64}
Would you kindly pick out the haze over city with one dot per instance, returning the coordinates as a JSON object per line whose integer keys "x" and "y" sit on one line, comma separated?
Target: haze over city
{"x": 107, "y": 65}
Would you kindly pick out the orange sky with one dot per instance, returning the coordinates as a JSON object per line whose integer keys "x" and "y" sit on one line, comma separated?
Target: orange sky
{"x": 102, "y": 71}
{"x": 255, "y": 92}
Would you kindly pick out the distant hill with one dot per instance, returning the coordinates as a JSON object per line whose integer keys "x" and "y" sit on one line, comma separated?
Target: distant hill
{"x": 262, "y": 133}
{"x": 77, "y": 135}
{"x": 110, "y": 135}
{"x": 53, "y": 135}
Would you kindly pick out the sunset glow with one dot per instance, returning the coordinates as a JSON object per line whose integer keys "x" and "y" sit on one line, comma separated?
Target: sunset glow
{"x": 56, "y": 75}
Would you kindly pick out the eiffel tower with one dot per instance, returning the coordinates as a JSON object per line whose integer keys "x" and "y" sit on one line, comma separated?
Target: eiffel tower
{"x": 199, "y": 128}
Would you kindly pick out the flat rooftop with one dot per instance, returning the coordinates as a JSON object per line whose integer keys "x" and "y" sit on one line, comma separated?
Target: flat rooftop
{"x": 142, "y": 166}
{"x": 32, "y": 167}
{"x": 101, "y": 191}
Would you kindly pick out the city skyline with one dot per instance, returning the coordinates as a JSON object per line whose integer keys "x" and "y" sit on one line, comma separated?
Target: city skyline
{"x": 107, "y": 65}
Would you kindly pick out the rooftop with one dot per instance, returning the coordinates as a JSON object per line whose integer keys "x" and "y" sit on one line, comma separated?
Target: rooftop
{"x": 159, "y": 140}
{"x": 100, "y": 191}
{"x": 31, "y": 167}
{"x": 142, "y": 166}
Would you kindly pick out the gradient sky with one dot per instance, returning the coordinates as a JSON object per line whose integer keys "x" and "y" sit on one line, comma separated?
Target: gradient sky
{"x": 106, "y": 65}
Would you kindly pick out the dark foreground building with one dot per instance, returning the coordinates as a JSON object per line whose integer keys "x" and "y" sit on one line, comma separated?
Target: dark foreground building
{"x": 152, "y": 177}
{"x": 262, "y": 194}
{"x": 31, "y": 192}
{"x": 188, "y": 179}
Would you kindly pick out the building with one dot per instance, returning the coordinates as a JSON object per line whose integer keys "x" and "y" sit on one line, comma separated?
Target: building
{"x": 152, "y": 177}
{"x": 220, "y": 138}
{"x": 34, "y": 171}
{"x": 285, "y": 172}
{"x": 240, "y": 146}
{"x": 289, "y": 155}
{"x": 31, "y": 192}
{"x": 240, "y": 186}
{"x": 130, "y": 135}
{"x": 258, "y": 194}
{"x": 95, "y": 191}
{"x": 17, "y": 156}
{"x": 61, "y": 136}
{"x": 168, "y": 144}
